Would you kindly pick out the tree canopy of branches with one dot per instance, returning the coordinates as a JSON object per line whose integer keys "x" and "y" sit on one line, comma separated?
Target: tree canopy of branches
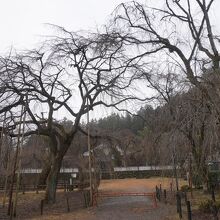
{"x": 70, "y": 73}
{"x": 179, "y": 32}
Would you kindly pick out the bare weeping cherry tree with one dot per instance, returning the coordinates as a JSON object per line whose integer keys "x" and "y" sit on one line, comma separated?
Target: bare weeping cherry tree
{"x": 70, "y": 75}
{"x": 179, "y": 32}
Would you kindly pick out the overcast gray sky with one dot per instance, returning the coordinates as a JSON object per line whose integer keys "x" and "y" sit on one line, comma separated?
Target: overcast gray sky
{"x": 22, "y": 21}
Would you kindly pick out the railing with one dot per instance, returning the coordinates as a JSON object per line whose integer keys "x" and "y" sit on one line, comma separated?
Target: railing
{"x": 97, "y": 195}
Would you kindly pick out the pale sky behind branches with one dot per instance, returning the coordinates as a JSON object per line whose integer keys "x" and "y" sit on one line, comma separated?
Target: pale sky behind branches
{"x": 23, "y": 22}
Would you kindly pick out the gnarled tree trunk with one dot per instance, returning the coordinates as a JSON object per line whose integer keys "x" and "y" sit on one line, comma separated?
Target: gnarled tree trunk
{"x": 52, "y": 179}
{"x": 56, "y": 162}
{"x": 44, "y": 173}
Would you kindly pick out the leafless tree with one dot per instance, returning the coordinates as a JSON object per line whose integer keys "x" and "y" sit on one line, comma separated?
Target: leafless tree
{"x": 180, "y": 32}
{"x": 72, "y": 74}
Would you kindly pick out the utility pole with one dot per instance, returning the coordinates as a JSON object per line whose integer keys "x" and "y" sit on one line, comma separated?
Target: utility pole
{"x": 89, "y": 150}
{"x": 175, "y": 168}
{"x": 19, "y": 165}
{"x": 10, "y": 207}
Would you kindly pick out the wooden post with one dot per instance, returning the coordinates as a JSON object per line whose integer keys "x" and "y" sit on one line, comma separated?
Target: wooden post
{"x": 67, "y": 202}
{"x": 165, "y": 195}
{"x": 189, "y": 212}
{"x": 171, "y": 187}
{"x": 41, "y": 207}
{"x": 11, "y": 211}
{"x": 185, "y": 197}
{"x": 215, "y": 210}
{"x": 179, "y": 205}
{"x": 23, "y": 191}
{"x": 157, "y": 193}
{"x": 160, "y": 189}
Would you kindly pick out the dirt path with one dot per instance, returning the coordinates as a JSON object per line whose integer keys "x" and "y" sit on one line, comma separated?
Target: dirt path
{"x": 128, "y": 207}
{"x": 117, "y": 208}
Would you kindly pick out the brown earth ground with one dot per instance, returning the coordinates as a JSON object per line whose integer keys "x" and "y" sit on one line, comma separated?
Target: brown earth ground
{"x": 120, "y": 208}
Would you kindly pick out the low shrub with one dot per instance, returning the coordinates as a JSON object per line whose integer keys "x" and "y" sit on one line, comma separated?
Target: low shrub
{"x": 197, "y": 181}
{"x": 207, "y": 205}
{"x": 185, "y": 188}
